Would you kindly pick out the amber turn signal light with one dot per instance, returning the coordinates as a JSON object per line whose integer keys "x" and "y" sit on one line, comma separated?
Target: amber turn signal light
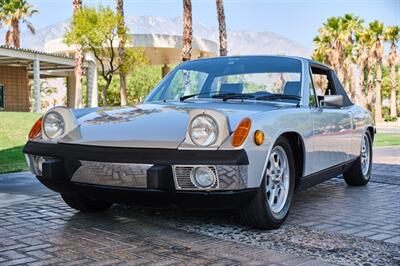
{"x": 259, "y": 137}
{"x": 241, "y": 132}
{"x": 36, "y": 129}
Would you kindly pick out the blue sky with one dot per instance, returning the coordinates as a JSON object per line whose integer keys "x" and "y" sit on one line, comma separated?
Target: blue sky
{"x": 295, "y": 19}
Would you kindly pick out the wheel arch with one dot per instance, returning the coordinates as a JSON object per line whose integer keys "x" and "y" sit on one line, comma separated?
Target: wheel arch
{"x": 371, "y": 131}
{"x": 298, "y": 149}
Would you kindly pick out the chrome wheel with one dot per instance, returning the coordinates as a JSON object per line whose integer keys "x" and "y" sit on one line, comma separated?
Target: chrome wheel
{"x": 277, "y": 179}
{"x": 365, "y": 155}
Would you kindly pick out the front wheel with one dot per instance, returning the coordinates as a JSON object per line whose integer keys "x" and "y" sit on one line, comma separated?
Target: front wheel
{"x": 85, "y": 205}
{"x": 360, "y": 172}
{"x": 270, "y": 206}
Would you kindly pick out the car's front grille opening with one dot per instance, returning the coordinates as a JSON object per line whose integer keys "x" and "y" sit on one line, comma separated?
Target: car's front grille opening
{"x": 184, "y": 180}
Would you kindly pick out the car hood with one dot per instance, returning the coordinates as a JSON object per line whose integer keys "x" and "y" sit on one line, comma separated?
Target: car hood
{"x": 161, "y": 125}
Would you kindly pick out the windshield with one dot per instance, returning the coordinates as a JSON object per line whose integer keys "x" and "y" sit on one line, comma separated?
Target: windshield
{"x": 259, "y": 78}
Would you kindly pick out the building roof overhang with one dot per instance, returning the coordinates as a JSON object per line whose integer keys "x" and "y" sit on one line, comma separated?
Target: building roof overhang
{"x": 51, "y": 65}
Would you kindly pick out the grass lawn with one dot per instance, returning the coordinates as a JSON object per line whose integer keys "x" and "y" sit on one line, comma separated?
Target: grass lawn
{"x": 386, "y": 139}
{"x": 14, "y": 129}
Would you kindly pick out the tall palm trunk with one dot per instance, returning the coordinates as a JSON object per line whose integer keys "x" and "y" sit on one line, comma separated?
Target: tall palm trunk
{"x": 378, "y": 52}
{"x": 223, "y": 49}
{"x": 187, "y": 31}
{"x": 347, "y": 79}
{"x": 78, "y": 70}
{"x": 362, "y": 68}
{"x": 393, "y": 82}
{"x": 9, "y": 38}
{"x": 378, "y": 93}
{"x": 361, "y": 86}
{"x": 370, "y": 84}
{"x": 370, "y": 80}
{"x": 352, "y": 82}
{"x": 121, "y": 50}
{"x": 16, "y": 33}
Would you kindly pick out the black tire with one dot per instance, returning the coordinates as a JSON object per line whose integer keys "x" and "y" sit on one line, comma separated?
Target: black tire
{"x": 257, "y": 213}
{"x": 354, "y": 176}
{"x": 85, "y": 205}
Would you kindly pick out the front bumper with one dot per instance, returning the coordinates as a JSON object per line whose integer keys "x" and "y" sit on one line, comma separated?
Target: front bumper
{"x": 136, "y": 155}
{"x": 82, "y": 169}
{"x": 154, "y": 197}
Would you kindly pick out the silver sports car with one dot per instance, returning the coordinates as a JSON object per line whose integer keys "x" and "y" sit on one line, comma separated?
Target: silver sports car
{"x": 241, "y": 132}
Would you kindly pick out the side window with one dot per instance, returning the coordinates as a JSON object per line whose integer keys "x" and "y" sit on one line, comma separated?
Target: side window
{"x": 323, "y": 83}
{"x": 312, "y": 99}
{"x": 1, "y": 96}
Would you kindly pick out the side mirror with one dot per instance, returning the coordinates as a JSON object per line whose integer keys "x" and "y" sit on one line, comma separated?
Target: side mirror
{"x": 332, "y": 101}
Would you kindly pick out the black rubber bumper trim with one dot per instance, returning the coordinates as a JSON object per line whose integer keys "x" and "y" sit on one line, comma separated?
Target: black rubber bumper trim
{"x": 153, "y": 197}
{"x": 136, "y": 155}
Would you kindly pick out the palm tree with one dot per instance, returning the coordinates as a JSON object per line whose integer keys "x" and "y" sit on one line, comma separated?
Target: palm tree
{"x": 349, "y": 24}
{"x": 12, "y": 12}
{"x": 392, "y": 34}
{"x": 330, "y": 45}
{"x": 121, "y": 49}
{"x": 187, "y": 31}
{"x": 363, "y": 40}
{"x": 335, "y": 46}
{"x": 78, "y": 70}
{"x": 377, "y": 30}
{"x": 223, "y": 50}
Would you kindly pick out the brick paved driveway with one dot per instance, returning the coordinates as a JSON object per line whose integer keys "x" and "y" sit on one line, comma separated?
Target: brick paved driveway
{"x": 329, "y": 224}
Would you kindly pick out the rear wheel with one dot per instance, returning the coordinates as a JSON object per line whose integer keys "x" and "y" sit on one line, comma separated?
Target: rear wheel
{"x": 85, "y": 205}
{"x": 270, "y": 206}
{"x": 360, "y": 172}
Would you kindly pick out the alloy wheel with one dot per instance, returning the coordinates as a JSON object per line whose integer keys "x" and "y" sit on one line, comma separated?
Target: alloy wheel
{"x": 365, "y": 155}
{"x": 277, "y": 179}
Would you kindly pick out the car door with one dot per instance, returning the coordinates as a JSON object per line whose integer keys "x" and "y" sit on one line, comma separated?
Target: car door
{"x": 332, "y": 132}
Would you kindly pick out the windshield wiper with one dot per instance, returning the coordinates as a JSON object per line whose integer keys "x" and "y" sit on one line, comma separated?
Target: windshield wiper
{"x": 227, "y": 96}
{"x": 194, "y": 95}
{"x": 278, "y": 96}
{"x": 223, "y": 96}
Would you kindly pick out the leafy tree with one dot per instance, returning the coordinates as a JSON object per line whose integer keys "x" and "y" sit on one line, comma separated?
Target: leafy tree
{"x": 96, "y": 30}
{"x": 12, "y": 12}
{"x": 45, "y": 92}
{"x": 139, "y": 83}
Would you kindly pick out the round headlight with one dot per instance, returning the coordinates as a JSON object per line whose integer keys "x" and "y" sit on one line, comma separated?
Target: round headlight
{"x": 203, "y": 177}
{"x": 203, "y": 130}
{"x": 53, "y": 125}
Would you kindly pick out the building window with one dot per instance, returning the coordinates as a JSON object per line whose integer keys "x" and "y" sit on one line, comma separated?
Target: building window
{"x": 1, "y": 96}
